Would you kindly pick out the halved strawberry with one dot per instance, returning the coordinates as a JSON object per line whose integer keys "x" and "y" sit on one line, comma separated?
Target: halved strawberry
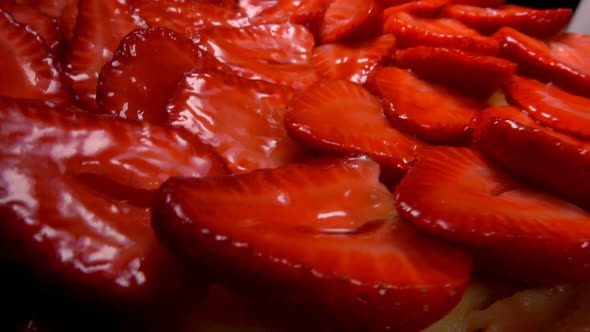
{"x": 95, "y": 42}
{"x": 561, "y": 61}
{"x": 340, "y": 117}
{"x": 145, "y": 71}
{"x": 410, "y": 30}
{"x": 429, "y": 111}
{"x": 349, "y": 19}
{"x": 531, "y": 21}
{"x": 550, "y": 105}
{"x": 475, "y": 75}
{"x": 188, "y": 17}
{"x": 419, "y": 8}
{"x": 352, "y": 61}
{"x": 321, "y": 241}
{"x": 241, "y": 118}
{"x": 29, "y": 70}
{"x": 276, "y": 53}
{"x": 555, "y": 161}
{"x": 512, "y": 230}
{"x": 75, "y": 194}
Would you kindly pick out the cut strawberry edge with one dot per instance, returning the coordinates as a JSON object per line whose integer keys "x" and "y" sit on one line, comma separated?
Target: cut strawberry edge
{"x": 551, "y": 160}
{"x": 349, "y": 20}
{"x": 424, "y": 8}
{"x": 513, "y": 232}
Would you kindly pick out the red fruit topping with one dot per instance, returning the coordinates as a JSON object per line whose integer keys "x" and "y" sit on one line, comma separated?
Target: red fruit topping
{"x": 561, "y": 61}
{"x": 241, "y": 118}
{"x": 534, "y": 22}
{"x": 550, "y": 105}
{"x": 411, "y": 31}
{"x": 472, "y": 74}
{"x": 308, "y": 13}
{"x": 353, "y": 61}
{"x": 65, "y": 11}
{"x": 419, "y": 8}
{"x": 514, "y": 231}
{"x": 319, "y": 240}
{"x": 348, "y": 19}
{"x": 340, "y": 117}
{"x": 480, "y": 3}
{"x": 144, "y": 73}
{"x": 29, "y": 70}
{"x": 276, "y": 53}
{"x": 555, "y": 161}
{"x": 431, "y": 112}
{"x": 95, "y": 42}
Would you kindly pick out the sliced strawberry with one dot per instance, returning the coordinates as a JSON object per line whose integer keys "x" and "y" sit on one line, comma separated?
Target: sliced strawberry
{"x": 349, "y": 19}
{"x": 29, "y": 70}
{"x": 47, "y": 27}
{"x": 552, "y": 160}
{"x": 561, "y": 61}
{"x": 144, "y": 73}
{"x": 276, "y": 53}
{"x": 352, "y": 61}
{"x": 65, "y": 11}
{"x": 419, "y": 8}
{"x": 95, "y": 42}
{"x": 319, "y": 240}
{"x": 410, "y": 30}
{"x": 480, "y": 3}
{"x": 253, "y": 8}
{"x": 308, "y": 13}
{"x": 431, "y": 112}
{"x": 75, "y": 191}
{"x": 472, "y": 74}
{"x": 210, "y": 104}
{"x": 531, "y": 21}
{"x": 341, "y": 117}
{"x": 550, "y": 105}
{"x": 512, "y": 230}
{"x": 188, "y": 17}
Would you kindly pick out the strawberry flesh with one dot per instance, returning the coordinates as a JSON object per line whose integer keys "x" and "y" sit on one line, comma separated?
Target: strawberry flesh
{"x": 350, "y": 19}
{"x": 319, "y": 240}
{"x": 513, "y": 231}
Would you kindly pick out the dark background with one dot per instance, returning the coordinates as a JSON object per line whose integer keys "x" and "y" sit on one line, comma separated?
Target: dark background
{"x": 547, "y": 3}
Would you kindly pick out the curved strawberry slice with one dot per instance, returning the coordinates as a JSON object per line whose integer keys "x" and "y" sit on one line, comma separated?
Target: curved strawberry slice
{"x": 308, "y": 13}
{"x": 95, "y": 42}
{"x": 349, "y": 19}
{"x": 210, "y": 104}
{"x": 431, "y": 112}
{"x": 29, "y": 70}
{"x": 550, "y": 105}
{"x": 75, "y": 192}
{"x": 141, "y": 77}
{"x": 64, "y": 11}
{"x": 475, "y": 75}
{"x": 561, "y": 61}
{"x": 531, "y": 21}
{"x": 544, "y": 157}
{"x": 320, "y": 240}
{"x": 340, "y": 117}
{"x": 512, "y": 230}
{"x": 428, "y": 8}
{"x": 480, "y": 3}
{"x": 352, "y": 61}
{"x": 276, "y": 53}
{"x": 410, "y": 30}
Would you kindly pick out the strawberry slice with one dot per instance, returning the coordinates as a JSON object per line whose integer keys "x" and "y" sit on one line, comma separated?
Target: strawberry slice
{"x": 321, "y": 241}
{"x": 276, "y": 53}
{"x": 47, "y": 27}
{"x": 513, "y": 231}
{"x": 65, "y": 11}
{"x": 531, "y": 21}
{"x": 429, "y": 111}
{"x": 555, "y": 161}
{"x": 561, "y": 61}
{"x": 75, "y": 192}
{"x": 421, "y": 8}
{"x": 475, "y": 75}
{"x": 349, "y": 19}
{"x": 352, "y": 61}
{"x": 410, "y": 30}
{"x": 95, "y": 42}
{"x": 308, "y": 13}
{"x": 141, "y": 77}
{"x": 188, "y": 17}
{"x": 550, "y": 105}
{"x": 208, "y": 104}
{"x": 29, "y": 70}
{"x": 339, "y": 117}
{"x": 480, "y": 3}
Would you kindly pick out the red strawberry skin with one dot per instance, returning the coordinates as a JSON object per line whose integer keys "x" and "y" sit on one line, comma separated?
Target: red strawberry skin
{"x": 350, "y": 19}
{"x": 513, "y": 231}
{"x": 75, "y": 196}
{"x": 554, "y": 161}
{"x": 316, "y": 239}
